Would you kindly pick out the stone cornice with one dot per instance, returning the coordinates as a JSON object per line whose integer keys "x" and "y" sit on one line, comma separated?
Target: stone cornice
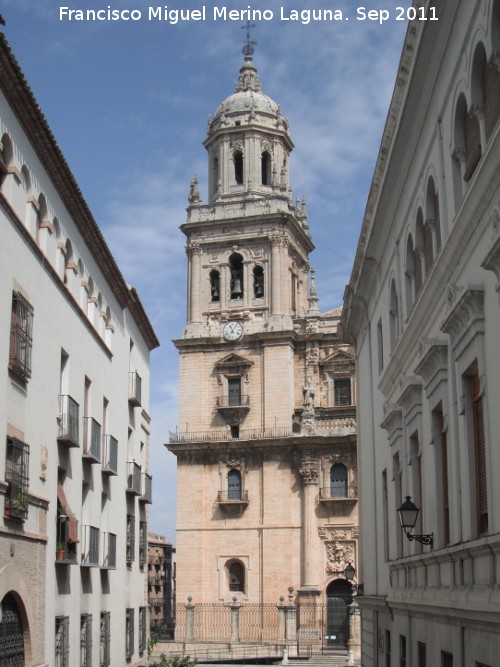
{"x": 468, "y": 310}
{"x": 411, "y": 394}
{"x": 393, "y": 420}
{"x": 435, "y": 360}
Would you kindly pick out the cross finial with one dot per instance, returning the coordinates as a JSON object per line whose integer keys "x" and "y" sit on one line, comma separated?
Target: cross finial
{"x": 248, "y": 50}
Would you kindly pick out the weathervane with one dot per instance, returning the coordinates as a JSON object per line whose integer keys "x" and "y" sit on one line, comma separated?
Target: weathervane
{"x": 248, "y": 49}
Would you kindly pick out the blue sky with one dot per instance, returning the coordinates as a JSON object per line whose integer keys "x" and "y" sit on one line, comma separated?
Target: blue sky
{"x": 128, "y": 103}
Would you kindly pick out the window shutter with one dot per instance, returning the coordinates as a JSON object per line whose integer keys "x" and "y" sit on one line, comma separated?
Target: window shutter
{"x": 480, "y": 456}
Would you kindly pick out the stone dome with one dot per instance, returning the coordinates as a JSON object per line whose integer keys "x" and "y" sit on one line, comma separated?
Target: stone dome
{"x": 248, "y": 95}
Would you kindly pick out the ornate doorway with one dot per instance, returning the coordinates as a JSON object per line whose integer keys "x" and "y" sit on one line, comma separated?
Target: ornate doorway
{"x": 11, "y": 634}
{"x": 338, "y": 599}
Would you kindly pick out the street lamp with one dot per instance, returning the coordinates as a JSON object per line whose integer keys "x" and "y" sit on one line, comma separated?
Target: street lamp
{"x": 349, "y": 574}
{"x": 408, "y": 515}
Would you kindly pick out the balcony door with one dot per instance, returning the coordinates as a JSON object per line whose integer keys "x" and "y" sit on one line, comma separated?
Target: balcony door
{"x": 234, "y": 391}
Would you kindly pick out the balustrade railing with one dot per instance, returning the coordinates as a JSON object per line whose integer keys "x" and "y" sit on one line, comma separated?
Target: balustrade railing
{"x": 225, "y": 435}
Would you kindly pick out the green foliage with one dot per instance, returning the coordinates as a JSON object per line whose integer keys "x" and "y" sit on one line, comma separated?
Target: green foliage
{"x": 172, "y": 661}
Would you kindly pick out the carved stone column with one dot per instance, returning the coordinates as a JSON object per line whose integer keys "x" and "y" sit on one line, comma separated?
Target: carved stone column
{"x": 309, "y": 470}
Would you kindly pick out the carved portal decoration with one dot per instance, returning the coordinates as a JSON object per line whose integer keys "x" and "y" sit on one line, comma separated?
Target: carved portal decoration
{"x": 234, "y": 463}
{"x": 338, "y": 555}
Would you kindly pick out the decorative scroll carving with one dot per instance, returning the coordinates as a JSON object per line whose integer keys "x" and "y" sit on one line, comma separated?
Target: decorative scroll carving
{"x": 309, "y": 469}
{"x": 338, "y": 554}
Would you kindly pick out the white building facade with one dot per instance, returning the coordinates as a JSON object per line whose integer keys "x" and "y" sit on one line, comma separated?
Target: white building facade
{"x": 74, "y": 421}
{"x": 423, "y": 311}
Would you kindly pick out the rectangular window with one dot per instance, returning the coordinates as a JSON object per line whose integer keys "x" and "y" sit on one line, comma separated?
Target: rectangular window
{"x": 421, "y": 654}
{"x": 62, "y": 641}
{"x": 443, "y": 473}
{"x": 385, "y": 515}
{"x": 143, "y": 543}
{"x": 105, "y": 640}
{"x": 17, "y": 478}
{"x": 21, "y": 341}
{"x": 86, "y": 640}
{"x": 130, "y": 538}
{"x": 387, "y": 648}
{"x": 142, "y": 629}
{"x": 402, "y": 651}
{"x": 129, "y": 633}
{"x": 380, "y": 346}
{"x": 446, "y": 659}
{"x": 342, "y": 391}
{"x": 479, "y": 455}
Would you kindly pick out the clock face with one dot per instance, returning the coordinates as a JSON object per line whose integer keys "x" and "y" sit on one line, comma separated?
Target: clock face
{"x": 233, "y": 331}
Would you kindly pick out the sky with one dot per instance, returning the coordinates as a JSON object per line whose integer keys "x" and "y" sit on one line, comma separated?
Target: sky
{"x": 128, "y": 103}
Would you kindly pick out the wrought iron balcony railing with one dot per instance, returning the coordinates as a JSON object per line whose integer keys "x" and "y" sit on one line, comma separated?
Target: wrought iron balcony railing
{"x": 90, "y": 546}
{"x": 68, "y": 418}
{"x": 91, "y": 440}
{"x": 110, "y": 455}
{"x": 233, "y": 497}
{"x": 135, "y": 389}
{"x": 147, "y": 488}
{"x": 332, "y": 494}
{"x": 134, "y": 478}
{"x": 230, "y": 401}
{"x": 108, "y": 553}
{"x": 225, "y": 435}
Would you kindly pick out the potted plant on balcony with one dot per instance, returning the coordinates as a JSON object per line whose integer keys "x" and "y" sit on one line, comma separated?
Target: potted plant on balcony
{"x": 60, "y": 551}
{"x": 6, "y": 510}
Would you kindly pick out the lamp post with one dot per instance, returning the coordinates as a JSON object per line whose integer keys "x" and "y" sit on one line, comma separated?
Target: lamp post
{"x": 408, "y": 515}
{"x": 353, "y": 641}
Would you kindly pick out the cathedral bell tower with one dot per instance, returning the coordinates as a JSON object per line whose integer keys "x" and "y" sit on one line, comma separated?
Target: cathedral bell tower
{"x": 257, "y": 374}
{"x": 248, "y": 246}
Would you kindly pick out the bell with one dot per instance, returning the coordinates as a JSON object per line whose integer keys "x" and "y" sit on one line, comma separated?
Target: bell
{"x": 237, "y": 287}
{"x": 215, "y": 293}
{"x": 259, "y": 292}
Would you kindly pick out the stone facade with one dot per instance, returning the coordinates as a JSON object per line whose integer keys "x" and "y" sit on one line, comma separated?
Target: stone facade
{"x": 422, "y": 307}
{"x": 266, "y": 453}
{"x": 74, "y": 422}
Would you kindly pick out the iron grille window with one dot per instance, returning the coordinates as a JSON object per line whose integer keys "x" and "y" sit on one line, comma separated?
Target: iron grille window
{"x": 142, "y": 629}
{"x": 17, "y": 478}
{"x": 342, "y": 391}
{"x": 108, "y": 551}
{"x": 143, "y": 543}
{"x": 86, "y": 640}
{"x": 130, "y": 538}
{"x": 105, "y": 640}
{"x": 90, "y": 547}
{"x": 62, "y": 641}
{"x": 129, "y": 633}
{"x": 21, "y": 341}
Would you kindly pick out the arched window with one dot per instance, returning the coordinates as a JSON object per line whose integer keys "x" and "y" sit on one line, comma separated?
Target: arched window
{"x": 419, "y": 262}
{"x": 69, "y": 263}
{"x": 258, "y": 282}
{"x": 25, "y": 179}
{"x": 215, "y": 176}
{"x": 215, "y": 285}
{"x": 266, "y": 168}
{"x": 238, "y": 167}
{"x": 236, "y": 266}
{"x": 393, "y": 315}
{"x": 459, "y": 153}
{"x": 236, "y": 572}
{"x": 409, "y": 275}
{"x": 41, "y": 217}
{"x": 338, "y": 481}
{"x": 6, "y": 155}
{"x": 234, "y": 485}
{"x": 11, "y": 632}
{"x": 432, "y": 218}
